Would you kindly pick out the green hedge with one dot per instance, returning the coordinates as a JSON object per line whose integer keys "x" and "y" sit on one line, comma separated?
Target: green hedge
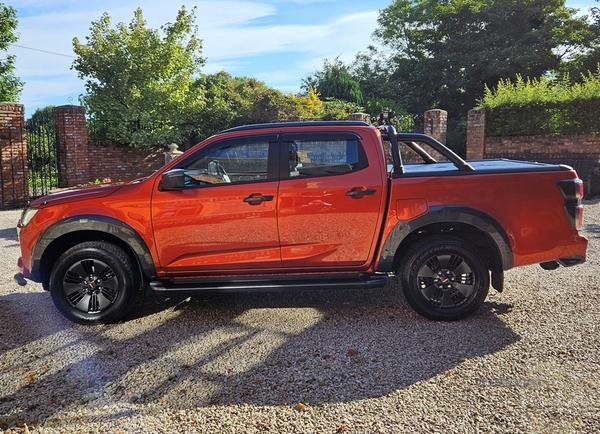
{"x": 543, "y": 107}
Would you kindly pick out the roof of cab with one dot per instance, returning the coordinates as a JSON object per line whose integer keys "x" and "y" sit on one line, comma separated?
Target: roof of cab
{"x": 279, "y": 125}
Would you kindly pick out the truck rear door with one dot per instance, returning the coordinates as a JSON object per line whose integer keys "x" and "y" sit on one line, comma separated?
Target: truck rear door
{"x": 330, "y": 201}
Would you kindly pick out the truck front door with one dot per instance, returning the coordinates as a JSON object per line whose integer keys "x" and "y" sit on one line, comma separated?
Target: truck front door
{"x": 225, "y": 217}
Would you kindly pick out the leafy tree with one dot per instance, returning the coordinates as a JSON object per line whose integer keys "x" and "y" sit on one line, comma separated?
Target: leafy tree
{"x": 230, "y": 102}
{"x": 334, "y": 81}
{"x": 308, "y": 106}
{"x": 233, "y": 101}
{"x": 43, "y": 122}
{"x": 221, "y": 108}
{"x": 443, "y": 53}
{"x": 10, "y": 85}
{"x": 263, "y": 103}
{"x": 352, "y": 88}
{"x": 140, "y": 83}
{"x": 586, "y": 58}
{"x": 239, "y": 101}
{"x": 336, "y": 109}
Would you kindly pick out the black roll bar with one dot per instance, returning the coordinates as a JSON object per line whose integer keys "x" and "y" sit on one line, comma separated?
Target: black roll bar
{"x": 396, "y": 157}
{"x": 411, "y": 139}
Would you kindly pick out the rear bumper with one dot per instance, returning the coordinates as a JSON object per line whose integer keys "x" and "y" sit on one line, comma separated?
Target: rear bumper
{"x": 575, "y": 253}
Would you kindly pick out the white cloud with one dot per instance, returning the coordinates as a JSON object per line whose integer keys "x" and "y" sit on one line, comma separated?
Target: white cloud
{"x": 347, "y": 34}
{"x": 58, "y": 90}
{"x": 234, "y": 34}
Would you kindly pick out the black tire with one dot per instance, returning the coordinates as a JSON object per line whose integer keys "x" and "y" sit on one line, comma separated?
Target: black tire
{"x": 94, "y": 283}
{"x": 444, "y": 278}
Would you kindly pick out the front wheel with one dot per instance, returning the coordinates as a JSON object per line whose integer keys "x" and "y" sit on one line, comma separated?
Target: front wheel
{"x": 444, "y": 278}
{"x": 94, "y": 283}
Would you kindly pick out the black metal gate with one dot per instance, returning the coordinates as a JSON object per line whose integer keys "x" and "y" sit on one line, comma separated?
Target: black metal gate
{"x": 410, "y": 123}
{"x": 42, "y": 153}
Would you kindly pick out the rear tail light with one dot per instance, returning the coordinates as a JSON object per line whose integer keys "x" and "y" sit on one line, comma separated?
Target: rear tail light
{"x": 572, "y": 190}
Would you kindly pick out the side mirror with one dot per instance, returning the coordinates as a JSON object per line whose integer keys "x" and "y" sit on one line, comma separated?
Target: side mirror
{"x": 173, "y": 180}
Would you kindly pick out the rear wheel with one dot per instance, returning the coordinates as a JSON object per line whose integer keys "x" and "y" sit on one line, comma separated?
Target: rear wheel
{"x": 444, "y": 278}
{"x": 94, "y": 283}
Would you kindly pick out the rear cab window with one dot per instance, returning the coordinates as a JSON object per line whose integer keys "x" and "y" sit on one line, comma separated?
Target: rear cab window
{"x": 322, "y": 154}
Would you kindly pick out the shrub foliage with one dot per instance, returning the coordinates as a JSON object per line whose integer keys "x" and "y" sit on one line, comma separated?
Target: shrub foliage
{"x": 543, "y": 106}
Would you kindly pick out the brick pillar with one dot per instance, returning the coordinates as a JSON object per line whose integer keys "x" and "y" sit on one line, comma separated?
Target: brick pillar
{"x": 14, "y": 190}
{"x": 71, "y": 137}
{"x": 363, "y": 117}
{"x": 476, "y": 134}
{"x": 435, "y": 124}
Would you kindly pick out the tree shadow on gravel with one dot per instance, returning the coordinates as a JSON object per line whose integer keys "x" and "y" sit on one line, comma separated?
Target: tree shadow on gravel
{"x": 315, "y": 347}
{"x": 9, "y": 234}
{"x": 592, "y": 230}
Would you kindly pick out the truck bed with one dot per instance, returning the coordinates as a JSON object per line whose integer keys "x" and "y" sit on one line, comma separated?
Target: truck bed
{"x": 492, "y": 166}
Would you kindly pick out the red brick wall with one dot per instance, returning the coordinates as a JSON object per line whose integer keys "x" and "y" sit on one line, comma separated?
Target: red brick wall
{"x": 550, "y": 147}
{"x": 14, "y": 190}
{"x": 122, "y": 163}
{"x": 82, "y": 162}
{"x": 534, "y": 148}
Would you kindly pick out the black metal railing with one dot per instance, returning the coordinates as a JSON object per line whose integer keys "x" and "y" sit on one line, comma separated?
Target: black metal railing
{"x": 410, "y": 123}
{"x": 42, "y": 154}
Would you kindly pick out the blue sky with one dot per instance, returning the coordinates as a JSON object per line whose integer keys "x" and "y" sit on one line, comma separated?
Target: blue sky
{"x": 276, "y": 41}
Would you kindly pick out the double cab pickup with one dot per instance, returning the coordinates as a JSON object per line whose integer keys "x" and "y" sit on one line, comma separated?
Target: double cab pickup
{"x": 304, "y": 205}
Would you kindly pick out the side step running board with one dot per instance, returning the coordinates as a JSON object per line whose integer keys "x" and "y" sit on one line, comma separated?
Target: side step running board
{"x": 276, "y": 283}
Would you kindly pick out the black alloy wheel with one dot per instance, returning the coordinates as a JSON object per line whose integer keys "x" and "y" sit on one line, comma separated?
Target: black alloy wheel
{"x": 94, "y": 283}
{"x": 444, "y": 278}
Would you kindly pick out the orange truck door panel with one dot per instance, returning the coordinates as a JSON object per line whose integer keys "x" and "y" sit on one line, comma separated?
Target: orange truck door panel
{"x": 201, "y": 229}
{"x": 225, "y": 218}
{"x": 330, "y": 202}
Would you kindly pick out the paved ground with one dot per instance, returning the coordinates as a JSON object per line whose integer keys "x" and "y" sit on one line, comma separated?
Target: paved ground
{"x": 323, "y": 362}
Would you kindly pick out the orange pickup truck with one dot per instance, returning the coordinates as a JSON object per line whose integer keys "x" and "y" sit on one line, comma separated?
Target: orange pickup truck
{"x": 304, "y": 205}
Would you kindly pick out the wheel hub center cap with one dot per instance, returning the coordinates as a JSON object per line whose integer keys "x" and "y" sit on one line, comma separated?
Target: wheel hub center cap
{"x": 91, "y": 284}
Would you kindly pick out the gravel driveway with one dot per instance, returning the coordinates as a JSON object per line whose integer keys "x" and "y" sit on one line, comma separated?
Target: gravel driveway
{"x": 308, "y": 361}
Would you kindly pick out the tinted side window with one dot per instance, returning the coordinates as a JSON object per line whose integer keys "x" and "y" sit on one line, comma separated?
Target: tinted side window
{"x": 327, "y": 156}
{"x": 228, "y": 162}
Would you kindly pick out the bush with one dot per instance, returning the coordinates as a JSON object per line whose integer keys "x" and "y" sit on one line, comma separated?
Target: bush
{"x": 543, "y": 106}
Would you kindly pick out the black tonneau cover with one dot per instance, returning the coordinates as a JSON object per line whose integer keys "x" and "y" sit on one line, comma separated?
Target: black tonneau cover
{"x": 492, "y": 166}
